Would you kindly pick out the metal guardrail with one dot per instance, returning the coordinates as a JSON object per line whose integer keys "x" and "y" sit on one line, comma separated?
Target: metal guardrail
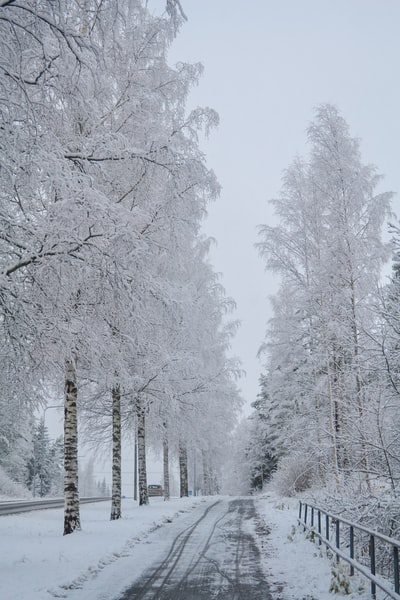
{"x": 311, "y": 517}
{"x": 16, "y": 506}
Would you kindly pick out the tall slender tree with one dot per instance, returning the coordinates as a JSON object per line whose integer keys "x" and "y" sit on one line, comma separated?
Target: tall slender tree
{"x": 329, "y": 253}
{"x": 116, "y": 455}
{"x": 71, "y": 488}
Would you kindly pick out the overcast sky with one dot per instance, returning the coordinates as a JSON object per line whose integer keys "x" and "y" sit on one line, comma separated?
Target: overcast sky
{"x": 268, "y": 64}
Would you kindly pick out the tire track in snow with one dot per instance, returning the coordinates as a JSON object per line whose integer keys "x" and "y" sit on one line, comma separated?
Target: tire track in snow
{"x": 214, "y": 558}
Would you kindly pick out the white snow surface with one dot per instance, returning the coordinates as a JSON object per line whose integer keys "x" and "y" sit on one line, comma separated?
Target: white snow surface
{"x": 97, "y": 563}
{"x": 297, "y": 568}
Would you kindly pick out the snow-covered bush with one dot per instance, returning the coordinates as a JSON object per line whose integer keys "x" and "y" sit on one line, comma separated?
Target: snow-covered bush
{"x": 10, "y": 488}
{"x": 295, "y": 474}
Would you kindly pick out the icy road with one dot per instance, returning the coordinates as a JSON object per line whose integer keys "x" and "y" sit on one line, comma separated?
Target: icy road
{"x": 216, "y": 557}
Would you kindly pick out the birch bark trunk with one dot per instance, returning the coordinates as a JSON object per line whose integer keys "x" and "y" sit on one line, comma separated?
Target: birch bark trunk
{"x": 183, "y": 471}
{"x": 166, "y": 464}
{"x": 135, "y": 468}
{"x": 71, "y": 493}
{"x": 331, "y": 400}
{"x": 141, "y": 440}
{"x": 116, "y": 455}
{"x": 206, "y": 476}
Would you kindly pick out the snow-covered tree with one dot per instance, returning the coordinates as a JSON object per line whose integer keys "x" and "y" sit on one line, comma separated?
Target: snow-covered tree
{"x": 40, "y": 464}
{"x": 263, "y": 449}
{"x": 329, "y": 254}
{"x": 104, "y": 189}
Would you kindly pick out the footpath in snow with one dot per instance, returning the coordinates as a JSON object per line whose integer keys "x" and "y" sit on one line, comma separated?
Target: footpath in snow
{"x": 38, "y": 563}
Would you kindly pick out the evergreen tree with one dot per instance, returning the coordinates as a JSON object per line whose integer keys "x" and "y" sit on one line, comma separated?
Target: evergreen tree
{"x": 57, "y": 467}
{"x": 264, "y": 447}
{"x": 40, "y": 465}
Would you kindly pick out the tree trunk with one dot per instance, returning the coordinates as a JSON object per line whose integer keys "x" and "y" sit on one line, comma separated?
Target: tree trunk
{"x": 141, "y": 440}
{"x": 71, "y": 493}
{"x": 183, "y": 471}
{"x": 206, "y": 476}
{"x": 359, "y": 389}
{"x": 214, "y": 487}
{"x": 331, "y": 400}
{"x": 194, "y": 473}
{"x": 338, "y": 404}
{"x": 116, "y": 455}
{"x": 166, "y": 464}
{"x": 135, "y": 469}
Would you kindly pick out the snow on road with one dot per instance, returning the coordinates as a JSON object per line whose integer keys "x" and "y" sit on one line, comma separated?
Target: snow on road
{"x": 98, "y": 563}
{"x": 216, "y": 557}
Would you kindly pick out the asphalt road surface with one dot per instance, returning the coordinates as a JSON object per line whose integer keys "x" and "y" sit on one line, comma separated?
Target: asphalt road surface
{"x": 215, "y": 558}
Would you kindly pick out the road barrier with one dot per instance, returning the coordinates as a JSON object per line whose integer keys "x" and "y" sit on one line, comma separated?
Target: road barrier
{"x": 366, "y": 551}
{"x": 9, "y": 507}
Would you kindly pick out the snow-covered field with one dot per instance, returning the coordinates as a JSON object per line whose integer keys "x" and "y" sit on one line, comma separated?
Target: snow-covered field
{"x": 38, "y": 563}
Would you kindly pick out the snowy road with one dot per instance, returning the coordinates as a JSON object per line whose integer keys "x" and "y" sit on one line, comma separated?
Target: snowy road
{"x": 197, "y": 548}
{"x": 214, "y": 558}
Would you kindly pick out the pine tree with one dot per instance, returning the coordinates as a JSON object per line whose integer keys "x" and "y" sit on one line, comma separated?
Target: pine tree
{"x": 57, "y": 467}
{"x": 265, "y": 445}
{"x": 40, "y": 465}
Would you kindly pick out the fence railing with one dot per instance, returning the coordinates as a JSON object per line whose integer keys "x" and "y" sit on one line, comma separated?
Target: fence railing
{"x": 374, "y": 555}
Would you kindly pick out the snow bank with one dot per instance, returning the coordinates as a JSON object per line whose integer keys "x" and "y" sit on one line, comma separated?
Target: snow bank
{"x": 296, "y": 567}
{"x": 38, "y": 563}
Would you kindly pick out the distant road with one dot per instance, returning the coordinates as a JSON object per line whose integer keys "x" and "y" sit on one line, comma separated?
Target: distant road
{"x": 215, "y": 557}
{"x": 16, "y": 506}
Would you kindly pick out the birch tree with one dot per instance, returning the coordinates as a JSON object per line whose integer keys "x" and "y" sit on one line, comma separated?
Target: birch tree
{"x": 116, "y": 455}
{"x": 42, "y": 50}
{"x": 105, "y": 187}
{"x": 71, "y": 490}
{"x": 329, "y": 253}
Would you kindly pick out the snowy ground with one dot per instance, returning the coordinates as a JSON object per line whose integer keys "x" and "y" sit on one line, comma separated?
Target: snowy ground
{"x": 38, "y": 563}
{"x": 296, "y": 568}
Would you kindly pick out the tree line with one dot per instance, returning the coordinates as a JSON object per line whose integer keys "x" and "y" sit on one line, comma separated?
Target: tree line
{"x": 107, "y": 297}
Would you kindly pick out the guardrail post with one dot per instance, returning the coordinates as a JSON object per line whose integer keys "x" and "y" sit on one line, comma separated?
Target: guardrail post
{"x": 372, "y": 557}
{"x": 319, "y": 527}
{"x": 305, "y": 516}
{"x": 351, "y": 548}
{"x": 312, "y": 516}
{"x": 300, "y": 506}
{"x": 337, "y": 538}
{"x": 327, "y": 527}
{"x": 396, "y": 568}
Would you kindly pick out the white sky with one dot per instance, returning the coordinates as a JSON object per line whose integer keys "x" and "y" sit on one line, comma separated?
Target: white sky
{"x": 268, "y": 63}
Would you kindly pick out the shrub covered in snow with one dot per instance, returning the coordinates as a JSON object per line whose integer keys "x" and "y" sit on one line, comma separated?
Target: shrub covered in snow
{"x": 295, "y": 474}
{"x": 10, "y": 488}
